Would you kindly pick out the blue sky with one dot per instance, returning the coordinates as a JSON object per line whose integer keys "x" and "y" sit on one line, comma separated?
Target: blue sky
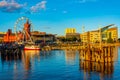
{"x": 54, "y": 16}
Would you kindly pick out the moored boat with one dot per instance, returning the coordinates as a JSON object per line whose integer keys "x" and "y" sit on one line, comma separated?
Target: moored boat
{"x": 32, "y": 47}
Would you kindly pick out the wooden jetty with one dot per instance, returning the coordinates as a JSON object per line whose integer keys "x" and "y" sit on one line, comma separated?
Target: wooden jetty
{"x": 98, "y": 55}
{"x": 75, "y": 46}
{"x": 89, "y": 52}
{"x": 10, "y": 49}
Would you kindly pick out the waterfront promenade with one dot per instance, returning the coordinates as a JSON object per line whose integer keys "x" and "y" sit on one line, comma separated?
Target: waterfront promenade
{"x": 89, "y": 52}
{"x": 78, "y": 46}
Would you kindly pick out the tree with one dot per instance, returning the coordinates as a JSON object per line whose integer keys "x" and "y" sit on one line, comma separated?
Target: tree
{"x": 71, "y": 39}
{"x": 109, "y": 40}
{"x": 74, "y": 39}
{"x": 118, "y": 39}
{"x": 63, "y": 39}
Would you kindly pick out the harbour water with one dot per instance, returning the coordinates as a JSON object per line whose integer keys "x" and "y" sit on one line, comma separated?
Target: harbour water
{"x": 57, "y": 65}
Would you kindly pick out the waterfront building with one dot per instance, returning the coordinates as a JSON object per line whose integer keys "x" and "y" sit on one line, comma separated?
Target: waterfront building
{"x": 38, "y": 37}
{"x": 98, "y": 35}
{"x": 9, "y": 36}
{"x": 70, "y": 30}
{"x": 84, "y": 37}
{"x": 110, "y": 33}
{"x": 94, "y": 36}
{"x": 35, "y": 35}
{"x": 113, "y": 33}
{"x": 1, "y": 36}
{"x": 71, "y": 33}
{"x": 2, "y": 32}
{"x": 19, "y": 36}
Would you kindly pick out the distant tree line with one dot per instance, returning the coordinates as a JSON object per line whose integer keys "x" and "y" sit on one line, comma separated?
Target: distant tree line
{"x": 73, "y": 39}
{"x": 118, "y": 39}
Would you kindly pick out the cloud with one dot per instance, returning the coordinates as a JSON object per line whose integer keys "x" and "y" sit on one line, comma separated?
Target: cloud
{"x": 10, "y": 6}
{"x": 64, "y": 12}
{"x": 84, "y": 1}
{"x": 39, "y": 6}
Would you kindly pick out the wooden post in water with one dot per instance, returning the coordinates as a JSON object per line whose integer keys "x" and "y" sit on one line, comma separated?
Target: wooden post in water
{"x": 102, "y": 54}
{"x": 88, "y": 57}
{"x": 100, "y": 38}
{"x": 109, "y": 54}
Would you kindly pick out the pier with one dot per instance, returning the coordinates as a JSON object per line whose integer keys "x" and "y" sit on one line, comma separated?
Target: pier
{"x": 77, "y": 46}
{"x": 98, "y": 55}
{"x": 10, "y": 49}
{"x": 91, "y": 52}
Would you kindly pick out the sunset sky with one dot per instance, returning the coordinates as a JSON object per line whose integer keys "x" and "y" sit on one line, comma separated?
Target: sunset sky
{"x": 53, "y": 16}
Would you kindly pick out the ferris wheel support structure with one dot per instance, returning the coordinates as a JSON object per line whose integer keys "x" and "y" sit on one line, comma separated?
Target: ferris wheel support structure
{"x": 19, "y": 27}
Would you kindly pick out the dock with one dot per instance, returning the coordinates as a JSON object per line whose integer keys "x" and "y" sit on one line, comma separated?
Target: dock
{"x": 10, "y": 49}
{"x": 76, "y": 46}
{"x": 91, "y": 52}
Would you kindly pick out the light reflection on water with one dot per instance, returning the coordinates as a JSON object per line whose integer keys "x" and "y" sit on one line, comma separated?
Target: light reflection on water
{"x": 57, "y": 65}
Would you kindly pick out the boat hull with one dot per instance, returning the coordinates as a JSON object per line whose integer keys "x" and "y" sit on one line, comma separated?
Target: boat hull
{"x": 31, "y": 48}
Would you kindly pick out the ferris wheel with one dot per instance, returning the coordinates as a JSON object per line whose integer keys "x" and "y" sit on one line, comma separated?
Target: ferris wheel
{"x": 19, "y": 25}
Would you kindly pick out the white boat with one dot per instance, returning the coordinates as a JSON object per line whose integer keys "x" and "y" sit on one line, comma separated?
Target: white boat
{"x": 32, "y": 47}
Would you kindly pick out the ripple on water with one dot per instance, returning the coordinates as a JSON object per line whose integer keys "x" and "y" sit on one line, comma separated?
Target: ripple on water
{"x": 52, "y": 65}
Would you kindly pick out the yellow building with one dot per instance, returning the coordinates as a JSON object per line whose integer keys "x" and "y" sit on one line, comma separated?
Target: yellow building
{"x": 96, "y": 36}
{"x": 71, "y": 33}
{"x": 70, "y": 30}
{"x": 92, "y": 36}
{"x": 113, "y": 33}
{"x": 110, "y": 33}
{"x": 85, "y": 37}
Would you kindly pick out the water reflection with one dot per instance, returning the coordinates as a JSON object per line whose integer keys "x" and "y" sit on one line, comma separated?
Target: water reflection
{"x": 28, "y": 56}
{"x": 105, "y": 70}
{"x": 70, "y": 56}
{"x": 115, "y": 54}
{"x": 107, "y": 54}
{"x": 57, "y": 65}
{"x": 10, "y": 59}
